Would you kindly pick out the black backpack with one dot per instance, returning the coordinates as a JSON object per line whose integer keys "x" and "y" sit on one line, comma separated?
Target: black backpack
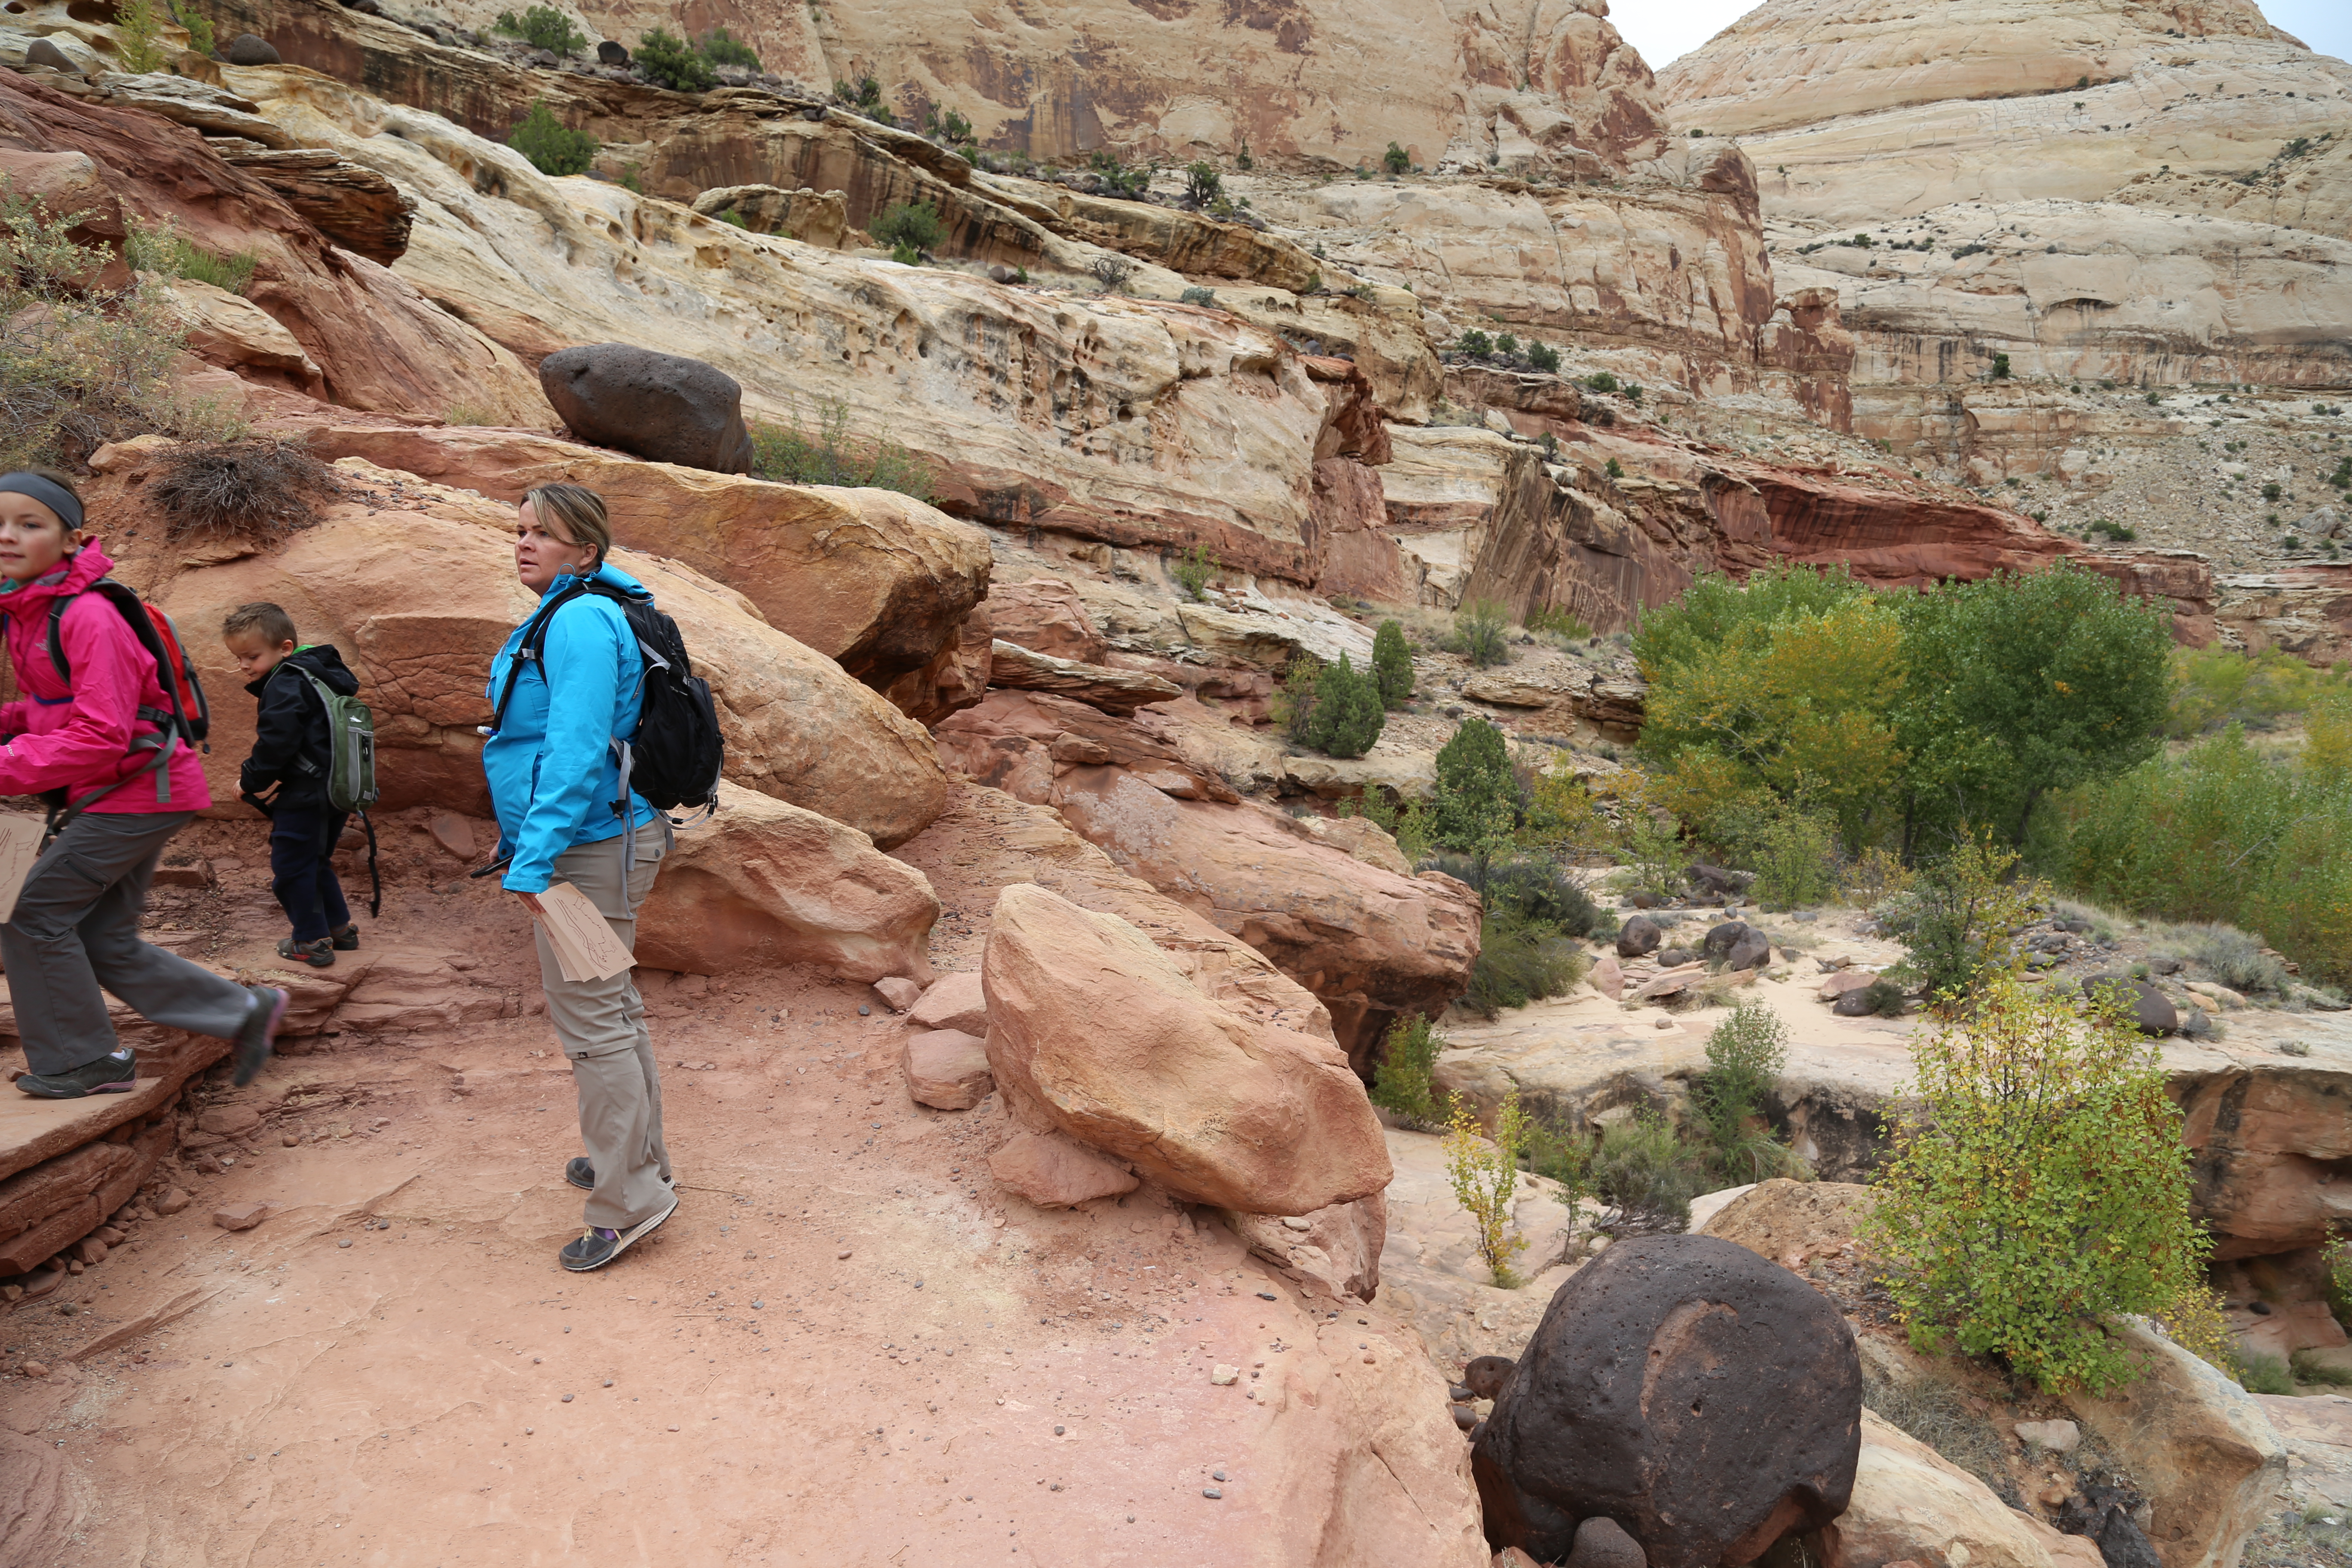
{"x": 673, "y": 758}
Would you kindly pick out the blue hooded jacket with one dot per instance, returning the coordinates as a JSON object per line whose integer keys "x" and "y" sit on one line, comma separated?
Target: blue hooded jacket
{"x": 552, "y": 772}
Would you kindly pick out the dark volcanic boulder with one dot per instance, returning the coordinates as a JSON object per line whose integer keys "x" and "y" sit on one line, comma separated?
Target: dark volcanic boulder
{"x": 245, "y": 50}
{"x": 2150, "y": 1010}
{"x": 1638, "y": 936}
{"x": 609, "y": 53}
{"x": 1706, "y": 1400}
{"x": 1738, "y": 945}
{"x": 662, "y": 406}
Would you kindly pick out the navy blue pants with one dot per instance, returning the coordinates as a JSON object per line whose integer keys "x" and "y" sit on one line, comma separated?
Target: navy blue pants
{"x": 302, "y": 870}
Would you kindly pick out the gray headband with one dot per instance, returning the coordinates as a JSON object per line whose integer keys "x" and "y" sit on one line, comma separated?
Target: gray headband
{"x": 48, "y": 492}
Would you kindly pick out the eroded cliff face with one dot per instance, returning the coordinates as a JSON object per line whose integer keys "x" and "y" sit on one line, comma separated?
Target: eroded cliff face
{"x": 1542, "y": 84}
{"x": 2150, "y": 197}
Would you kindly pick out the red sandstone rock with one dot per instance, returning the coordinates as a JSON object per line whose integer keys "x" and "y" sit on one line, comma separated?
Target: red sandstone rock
{"x": 1046, "y": 616}
{"x": 1055, "y": 1173}
{"x": 898, "y": 992}
{"x": 946, "y": 1069}
{"x": 955, "y": 1000}
{"x": 240, "y": 1216}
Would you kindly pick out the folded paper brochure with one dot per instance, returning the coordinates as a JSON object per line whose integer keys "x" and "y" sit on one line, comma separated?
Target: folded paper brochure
{"x": 585, "y": 947}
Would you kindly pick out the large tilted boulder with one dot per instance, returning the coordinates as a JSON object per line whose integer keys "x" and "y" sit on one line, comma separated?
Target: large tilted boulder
{"x": 1121, "y": 692}
{"x": 875, "y": 581}
{"x": 1911, "y": 1504}
{"x": 1371, "y": 943}
{"x": 2196, "y": 1443}
{"x": 415, "y": 585}
{"x": 1098, "y": 1032}
{"x": 2270, "y": 1138}
{"x": 1708, "y": 1401}
{"x": 664, "y": 407}
{"x": 767, "y": 883}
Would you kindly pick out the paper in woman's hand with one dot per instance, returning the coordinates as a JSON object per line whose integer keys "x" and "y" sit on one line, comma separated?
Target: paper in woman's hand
{"x": 585, "y": 947}
{"x": 20, "y": 845}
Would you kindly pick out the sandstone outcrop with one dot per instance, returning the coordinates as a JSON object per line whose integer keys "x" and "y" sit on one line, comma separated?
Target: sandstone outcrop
{"x": 2269, "y": 1147}
{"x": 1022, "y": 743}
{"x": 1337, "y": 1249}
{"x": 1115, "y": 691}
{"x": 1657, "y": 1392}
{"x": 767, "y": 882}
{"x": 1093, "y": 1030}
{"x": 946, "y": 1069}
{"x": 874, "y": 580}
{"x": 378, "y": 344}
{"x": 954, "y": 1002}
{"x": 415, "y": 583}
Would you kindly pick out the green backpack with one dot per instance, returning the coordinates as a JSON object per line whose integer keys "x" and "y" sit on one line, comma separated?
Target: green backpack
{"x": 351, "y": 749}
{"x": 350, "y": 769}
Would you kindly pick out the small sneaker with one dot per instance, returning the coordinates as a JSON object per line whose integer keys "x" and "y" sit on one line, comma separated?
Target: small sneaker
{"x": 259, "y": 1034}
{"x": 597, "y": 1247}
{"x": 317, "y": 954}
{"x": 114, "y": 1073}
{"x": 346, "y": 940}
{"x": 580, "y": 1172}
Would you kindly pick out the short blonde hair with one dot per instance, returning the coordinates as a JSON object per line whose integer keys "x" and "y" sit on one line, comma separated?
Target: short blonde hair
{"x": 581, "y": 512}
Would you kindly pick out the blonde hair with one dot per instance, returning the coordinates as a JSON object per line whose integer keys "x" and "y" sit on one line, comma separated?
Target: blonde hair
{"x": 581, "y": 512}
{"x": 272, "y": 623}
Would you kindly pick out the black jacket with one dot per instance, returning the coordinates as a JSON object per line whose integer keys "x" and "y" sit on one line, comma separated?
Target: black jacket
{"x": 290, "y": 745}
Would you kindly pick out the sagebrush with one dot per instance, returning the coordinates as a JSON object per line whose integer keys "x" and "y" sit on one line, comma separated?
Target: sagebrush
{"x": 825, "y": 453}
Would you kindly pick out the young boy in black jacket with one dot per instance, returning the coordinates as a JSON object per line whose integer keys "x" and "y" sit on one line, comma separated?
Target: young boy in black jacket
{"x": 292, "y": 749}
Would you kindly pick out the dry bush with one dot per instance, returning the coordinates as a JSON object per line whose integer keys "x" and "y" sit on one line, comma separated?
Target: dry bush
{"x": 79, "y": 367}
{"x": 259, "y": 489}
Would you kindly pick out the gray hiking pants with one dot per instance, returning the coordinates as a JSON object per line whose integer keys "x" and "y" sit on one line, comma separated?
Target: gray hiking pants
{"x": 601, "y": 1026}
{"x": 76, "y": 929}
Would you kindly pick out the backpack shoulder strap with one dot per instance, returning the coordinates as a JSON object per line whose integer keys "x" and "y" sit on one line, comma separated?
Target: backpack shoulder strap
{"x": 534, "y": 640}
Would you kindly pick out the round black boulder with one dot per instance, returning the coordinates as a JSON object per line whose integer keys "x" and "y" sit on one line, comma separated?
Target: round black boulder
{"x": 245, "y": 50}
{"x": 1638, "y": 936}
{"x": 609, "y": 53}
{"x": 1706, "y": 1400}
{"x": 41, "y": 52}
{"x": 657, "y": 405}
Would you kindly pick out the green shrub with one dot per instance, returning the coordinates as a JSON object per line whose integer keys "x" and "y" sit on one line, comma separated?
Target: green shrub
{"x": 1196, "y": 295}
{"x": 1482, "y": 634}
{"x": 1602, "y": 380}
{"x": 2037, "y": 1185}
{"x": 913, "y": 226}
{"x": 2271, "y": 491}
{"x": 1544, "y": 357}
{"x": 1885, "y": 998}
{"x": 1960, "y": 921}
{"x": 163, "y": 248}
{"x": 668, "y": 60}
{"x": 1194, "y": 570}
{"x": 827, "y": 455}
{"x": 78, "y": 367}
{"x": 1615, "y": 469}
{"x": 1646, "y": 1173}
{"x": 542, "y": 27}
{"x": 201, "y": 41}
{"x": 1477, "y": 805}
{"x": 2338, "y": 1256}
{"x": 1474, "y": 342}
{"x": 1520, "y": 962}
{"x": 1392, "y": 665}
{"x": 1400, "y": 1078}
{"x": 1532, "y": 890}
{"x": 1347, "y": 717}
{"x": 2260, "y": 1373}
{"x": 138, "y": 36}
{"x": 1792, "y": 851}
{"x": 2218, "y": 686}
{"x": 722, "y": 48}
{"x": 2001, "y": 367}
{"x": 1203, "y": 183}
{"x": 1396, "y": 160}
{"x": 2222, "y": 833}
{"x": 1745, "y": 1055}
{"x": 553, "y": 148}
{"x": 1560, "y": 622}
{"x": 2309, "y": 1369}
{"x": 1506, "y": 345}
{"x": 2225, "y": 954}
{"x": 1119, "y": 179}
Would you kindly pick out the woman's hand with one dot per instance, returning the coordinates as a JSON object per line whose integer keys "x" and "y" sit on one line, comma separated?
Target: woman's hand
{"x": 529, "y": 901}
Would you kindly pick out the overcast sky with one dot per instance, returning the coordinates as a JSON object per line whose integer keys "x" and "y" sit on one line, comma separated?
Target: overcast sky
{"x": 1661, "y": 29}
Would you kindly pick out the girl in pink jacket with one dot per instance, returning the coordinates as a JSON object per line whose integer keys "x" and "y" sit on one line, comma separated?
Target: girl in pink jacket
{"x": 94, "y": 732}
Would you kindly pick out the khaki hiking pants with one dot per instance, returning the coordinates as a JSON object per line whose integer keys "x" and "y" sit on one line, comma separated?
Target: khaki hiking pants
{"x": 601, "y": 1026}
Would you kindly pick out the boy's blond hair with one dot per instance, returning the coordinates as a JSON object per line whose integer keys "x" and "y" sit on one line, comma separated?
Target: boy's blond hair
{"x": 275, "y": 625}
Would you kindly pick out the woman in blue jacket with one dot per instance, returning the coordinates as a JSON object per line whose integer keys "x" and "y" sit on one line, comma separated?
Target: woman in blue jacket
{"x": 555, "y": 781}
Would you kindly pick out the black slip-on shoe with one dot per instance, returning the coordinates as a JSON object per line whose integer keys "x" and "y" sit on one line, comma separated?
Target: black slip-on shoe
{"x": 115, "y": 1073}
{"x": 580, "y": 1172}
{"x": 258, "y": 1035}
{"x": 346, "y": 940}
{"x": 598, "y": 1247}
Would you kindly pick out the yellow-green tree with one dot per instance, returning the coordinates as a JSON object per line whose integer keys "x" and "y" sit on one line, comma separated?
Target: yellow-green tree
{"x": 1484, "y": 1173}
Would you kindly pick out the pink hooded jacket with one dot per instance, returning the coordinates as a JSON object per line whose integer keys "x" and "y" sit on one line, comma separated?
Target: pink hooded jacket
{"x": 79, "y": 737}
